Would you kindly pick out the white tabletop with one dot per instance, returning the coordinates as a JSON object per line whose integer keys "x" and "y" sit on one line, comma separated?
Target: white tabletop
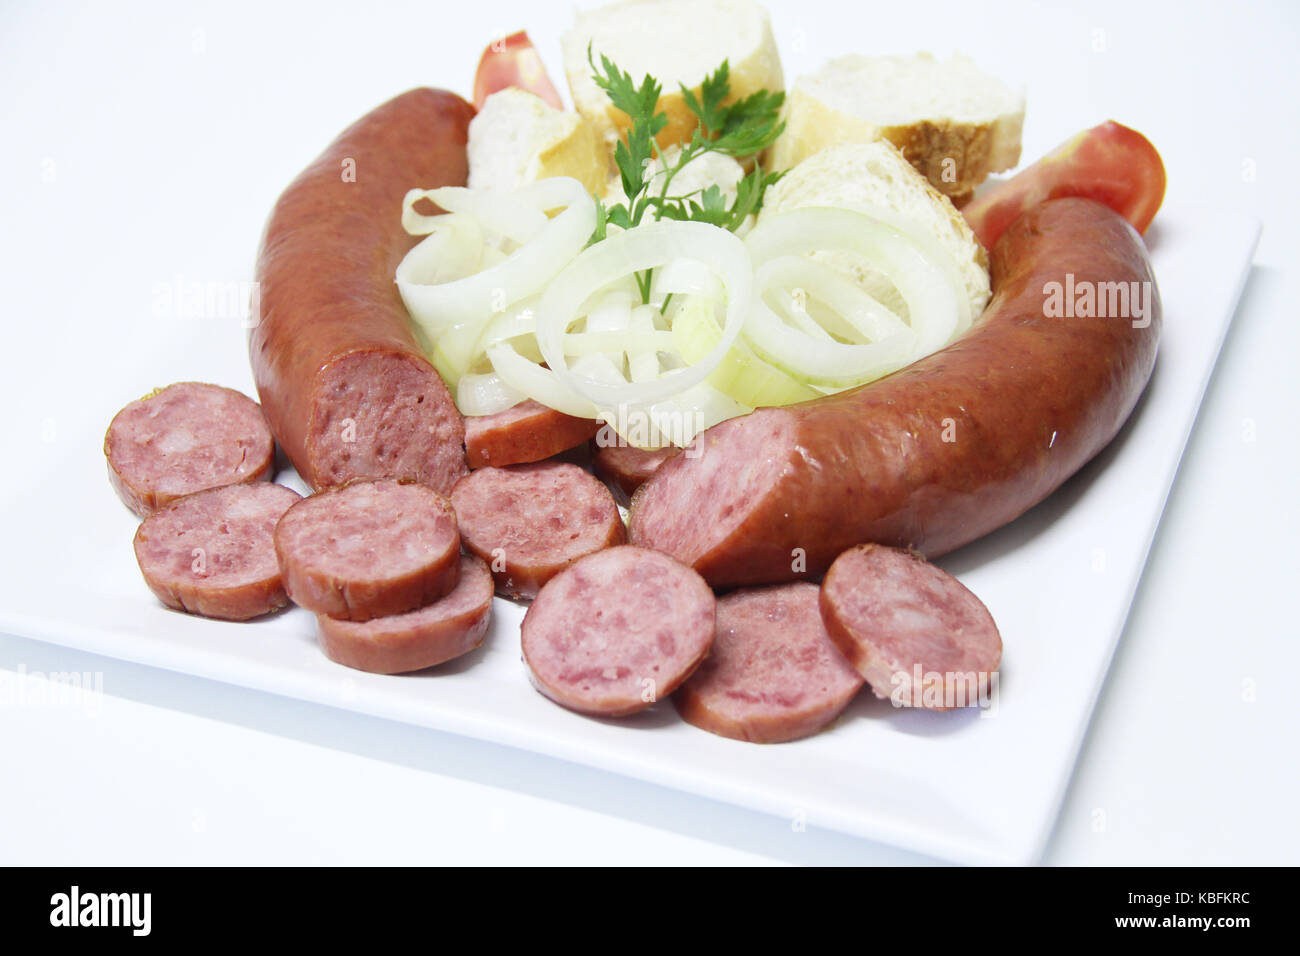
{"x": 189, "y": 118}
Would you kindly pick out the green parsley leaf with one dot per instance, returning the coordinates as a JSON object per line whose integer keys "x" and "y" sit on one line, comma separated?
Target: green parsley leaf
{"x": 749, "y": 195}
{"x": 740, "y": 129}
{"x": 636, "y": 150}
{"x": 713, "y": 93}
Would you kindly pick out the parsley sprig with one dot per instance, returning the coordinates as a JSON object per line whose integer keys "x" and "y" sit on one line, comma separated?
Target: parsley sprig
{"x": 739, "y": 129}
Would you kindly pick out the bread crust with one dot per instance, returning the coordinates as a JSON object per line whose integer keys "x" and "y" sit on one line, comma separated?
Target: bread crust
{"x": 955, "y": 156}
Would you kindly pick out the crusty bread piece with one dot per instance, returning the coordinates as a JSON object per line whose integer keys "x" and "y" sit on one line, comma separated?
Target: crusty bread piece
{"x": 675, "y": 41}
{"x": 516, "y": 138}
{"x": 877, "y": 175}
{"x": 953, "y": 123}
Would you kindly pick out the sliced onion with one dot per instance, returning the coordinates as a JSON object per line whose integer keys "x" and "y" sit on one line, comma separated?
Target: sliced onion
{"x": 848, "y": 300}
{"x": 646, "y": 247}
{"x": 633, "y": 342}
{"x": 743, "y": 376}
{"x": 452, "y": 314}
{"x": 699, "y": 407}
{"x": 417, "y": 223}
{"x": 931, "y": 299}
{"x": 933, "y": 250}
{"x": 518, "y": 320}
{"x": 613, "y": 313}
{"x": 685, "y": 277}
{"x": 485, "y": 394}
{"x": 674, "y": 421}
{"x": 453, "y": 250}
{"x": 824, "y": 362}
{"x": 643, "y": 362}
{"x": 538, "y": 383}
{"x": 518, "y": 215}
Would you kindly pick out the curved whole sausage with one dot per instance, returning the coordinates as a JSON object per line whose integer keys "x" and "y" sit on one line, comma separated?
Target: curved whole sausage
{"x": 944, "y": 451}
{"x": 343, "y": 382}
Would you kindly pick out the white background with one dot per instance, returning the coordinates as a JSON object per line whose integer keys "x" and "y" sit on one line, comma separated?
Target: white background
{"x": 122, "y": 123}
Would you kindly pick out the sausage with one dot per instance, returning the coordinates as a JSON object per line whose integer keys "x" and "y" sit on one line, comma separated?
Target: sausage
{"x": 915, "y": 632}
{"x": 772, "y": 674}
{"x": 528, "y": 432}
{"x": 940, "y": 453}
{"x": 437, "y": 632}
{"x": 626, "y": 466}
{"x": 530, "y": 522}
{"x": 344, "y": 384}
{"x": 616, "y": 631}
{"x": 211, "y": 553}
{"x": 369, "y": 549}
{"x": 186, "y": 438}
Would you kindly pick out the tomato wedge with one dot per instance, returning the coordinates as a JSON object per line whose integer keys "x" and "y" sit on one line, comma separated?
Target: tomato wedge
{"x": 513, "y": 61}
{"x": 1110, "y": 163}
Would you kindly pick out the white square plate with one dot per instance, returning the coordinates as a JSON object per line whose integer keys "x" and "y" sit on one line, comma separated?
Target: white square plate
{"x": 970, "y": 786}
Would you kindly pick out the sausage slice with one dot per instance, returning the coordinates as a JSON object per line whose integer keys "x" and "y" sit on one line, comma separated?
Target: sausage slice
{"x": 437, "y": 632}
{"x": 626, "y": 466}
{"x": 915, "y": 632}
{"x": 368, "y": 549}
{"x": 211, "y": 553}
{"x": 618, "y": 630}
{"x": 529, "y": 522}
{"x": 772, "y": 673}
{"x": 185, "y": 438}
{"x": 526, "y": 433}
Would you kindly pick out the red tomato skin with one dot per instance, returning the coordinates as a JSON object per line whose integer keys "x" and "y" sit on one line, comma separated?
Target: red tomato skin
{"x": 1110, "y": 163}
{"x": 513, "y": 61}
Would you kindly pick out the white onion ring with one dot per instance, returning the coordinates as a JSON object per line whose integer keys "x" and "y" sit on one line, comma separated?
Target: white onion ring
{"x": 933, "y": 306}
{"x": 645, "y": 247}
{"x": 485, "y": 394}
{"x": 472, "y": 300}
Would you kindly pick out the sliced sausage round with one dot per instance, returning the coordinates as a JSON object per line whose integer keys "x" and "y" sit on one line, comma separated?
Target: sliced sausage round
{"x": 437, "y": 632}
{"x": 529, "y": 522}
{"x": 211, "y": 553}
{"x": 528, "y": 432}
{"x": 618, "y": 630}
{"x": 772, "y": 673}
{"x": 628, "y": 467}
{"x": 185, "y": 438}
{"x": 369, "y": 549}
{"x": 916, "y": 633}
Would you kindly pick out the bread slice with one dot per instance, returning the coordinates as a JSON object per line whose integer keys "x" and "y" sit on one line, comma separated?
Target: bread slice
{"x": 676, "y": 42}
{"x": 953, "y": 123}
{"x": 517, "y": 138}
{"x": 877, "y": 175}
